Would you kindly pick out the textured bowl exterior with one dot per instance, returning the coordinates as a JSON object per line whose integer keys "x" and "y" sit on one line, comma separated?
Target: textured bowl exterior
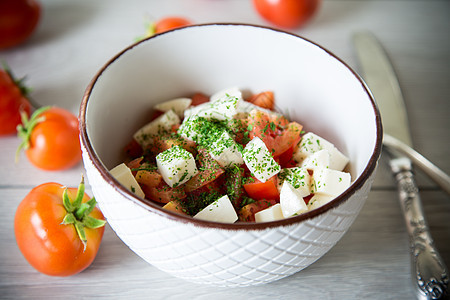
{"x": 218, "y": 256}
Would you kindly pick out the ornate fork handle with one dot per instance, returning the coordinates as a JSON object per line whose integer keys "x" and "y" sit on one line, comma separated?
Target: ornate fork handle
{"x": 429, "y": 273}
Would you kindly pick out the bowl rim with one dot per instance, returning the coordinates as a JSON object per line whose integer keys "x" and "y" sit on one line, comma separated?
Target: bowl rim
{"x": 173, "y": 216}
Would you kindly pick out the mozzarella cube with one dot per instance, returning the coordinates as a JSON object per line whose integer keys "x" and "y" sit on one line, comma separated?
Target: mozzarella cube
{"x": 318, "y": 200}
{"x": 298, "y": 178}
{"x": 259, "y": 160}
{"x": 330, "y": 182}
{"x": 123, "y": 174}
{"x": 176, "y": 166}
{"x": 193, "y": 110}
{"x": 225, "y": 151}
{"x": 160, "y": 126}
{"x": 319, "y": 159}
{"x": 221, "y": 210}
{"x": 222, "y": 109}
{"x": 272, "y": 213}
{"x": 191, "y": 128}
{"x": 338, "y": 160}
{"x": 229, "y": 92}
{"x": 312, "y": 143}
{"x": 178, "y": 105}
{"x": 291, "y": 201}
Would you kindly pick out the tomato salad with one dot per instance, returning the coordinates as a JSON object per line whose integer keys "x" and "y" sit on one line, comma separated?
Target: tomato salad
{"x": 225, "y": 159}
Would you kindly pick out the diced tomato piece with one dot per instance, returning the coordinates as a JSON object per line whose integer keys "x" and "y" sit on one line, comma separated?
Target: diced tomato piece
{"x": 175, "y": 206}
{"x": 277, "y": 133}
{"x": 307, "y": 198}
{"x": 135, "y": 164}
{"x": 209, "y": 170}
{"x": 263, "y": 190}
{"x": 163, "y": 193}
{"x": 155, "y": 114}
{"x": 247, "y": 213}
{"x": 133, "y": 149}
{"x": 233, "y": 185}
{"x": 199, "y": 98}
{"x": 264, "y": 100}
{"x": 162, "y": 143}
{"x": 285, "y": 159}
{"x": 149, "y": 178}
{"x": 240, "y": 131}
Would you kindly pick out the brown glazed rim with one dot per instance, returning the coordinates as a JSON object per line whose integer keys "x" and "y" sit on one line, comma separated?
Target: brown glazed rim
{"x": 156, "y": 209}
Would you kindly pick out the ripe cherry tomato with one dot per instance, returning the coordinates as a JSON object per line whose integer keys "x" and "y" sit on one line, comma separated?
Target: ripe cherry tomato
{"x": 50, "y": 139}
{"x": 58, "y": 236}
{"x": 12, "y": 100}
{"x": 169, "y": 23}
{"x": 287, "y": 13}
{"x": 18, "y": 20}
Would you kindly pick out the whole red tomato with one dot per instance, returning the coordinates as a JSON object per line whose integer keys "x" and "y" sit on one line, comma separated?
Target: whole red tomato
{"x": 18, "y": 20}
{"x": 287, "y": 13}
{"x": 13, "y": 99}
{"x": 58, "y": 236}
{"x": 51, "y": 139}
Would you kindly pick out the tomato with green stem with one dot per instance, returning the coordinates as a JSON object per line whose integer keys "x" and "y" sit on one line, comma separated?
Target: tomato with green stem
{"x": 164, "y": 24}
{"x": 13, "y": 100}
{"x": 169, "y": 23}
{"x": 58, "y": 236}
{"x": 50, "y": 138}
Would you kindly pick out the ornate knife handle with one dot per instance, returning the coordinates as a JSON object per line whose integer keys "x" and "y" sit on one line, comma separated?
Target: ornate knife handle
{"x": 429, "y": 273}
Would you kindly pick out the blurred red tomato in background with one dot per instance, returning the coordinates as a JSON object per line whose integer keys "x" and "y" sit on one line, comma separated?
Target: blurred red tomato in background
{"x": 289, "y": 14}
{"x": 18, "y": 20}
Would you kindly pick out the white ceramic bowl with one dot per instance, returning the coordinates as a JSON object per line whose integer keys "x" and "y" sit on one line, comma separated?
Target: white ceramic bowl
{"x": 316, "y": 88}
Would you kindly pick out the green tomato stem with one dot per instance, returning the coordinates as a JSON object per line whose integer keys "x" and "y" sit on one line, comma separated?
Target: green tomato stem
{"x": 78, "y": 213}
{"x": 25, "y": 129}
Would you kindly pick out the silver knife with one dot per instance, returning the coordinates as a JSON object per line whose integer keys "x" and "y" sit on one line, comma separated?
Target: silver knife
{"x": 429, "y": 273}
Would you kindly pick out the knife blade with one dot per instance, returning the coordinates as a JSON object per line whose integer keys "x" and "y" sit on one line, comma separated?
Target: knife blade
{"x": 379, "y": 75}
{"x": 429, "y": 273}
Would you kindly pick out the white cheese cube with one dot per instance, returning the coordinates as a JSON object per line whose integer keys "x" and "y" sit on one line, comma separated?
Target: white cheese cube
{"x": 222, "y": 109}
{"x": 338, "y": 160}
{"x": 298, "y": 178}
{"x": 123, "y": 174}
{"x": 176, "y": 166}
{"x": 178, "y": 105}
{"x": 318, "y": 200}
{"x": 312, "y": 143}
{"x": 272, "y": 213}
{"x": 193, "y": 110}
{"x": 221, "y": 210}
{"x": 225, "y": 151}
{"x": 159, "y": 126}
{"x": 259, "y": 160}
{"x": 319, "y": 159}
{"x": 291, "y": 201}
{"x": 190, "y": 128}
{"x": 330, "y": 182}
{"x": 229, "y": 92}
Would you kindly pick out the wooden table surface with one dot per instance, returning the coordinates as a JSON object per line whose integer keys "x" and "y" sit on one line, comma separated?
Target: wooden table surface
{"x": 370, "y": 262}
